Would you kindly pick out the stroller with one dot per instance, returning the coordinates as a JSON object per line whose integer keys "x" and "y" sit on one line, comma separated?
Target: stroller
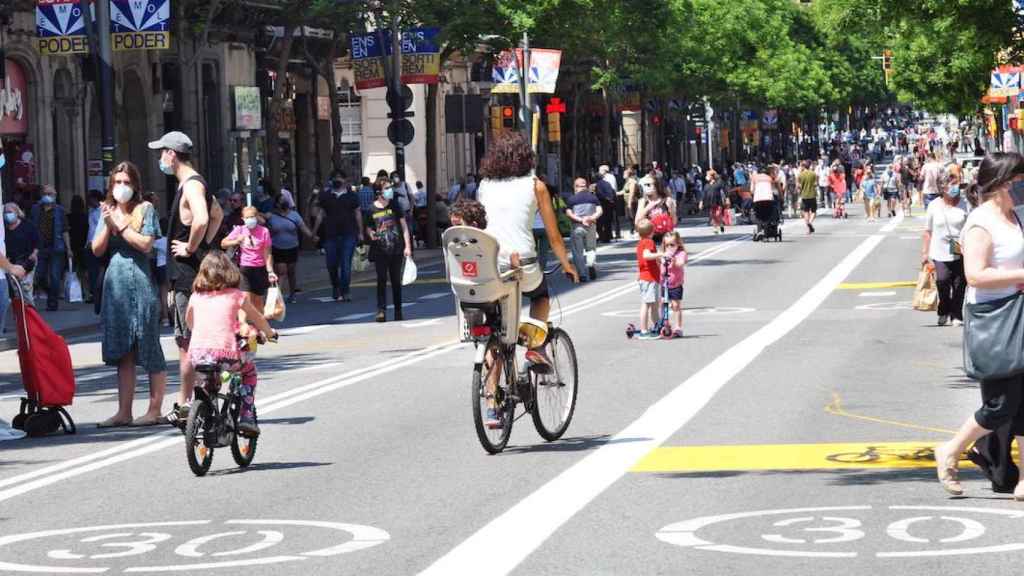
{"x": 839, "y": 210}
{"x": 767, "y": 216}
{"x": 46, "y": 372}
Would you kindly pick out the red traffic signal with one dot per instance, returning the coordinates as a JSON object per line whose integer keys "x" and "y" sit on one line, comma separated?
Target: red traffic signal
{"x": 508, "y": 117}
{"x": 555, "y": 106}
{"x": 656, "y": 120}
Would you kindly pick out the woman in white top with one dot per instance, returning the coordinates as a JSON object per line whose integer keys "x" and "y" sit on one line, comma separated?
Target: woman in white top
{"x": 941, "y": 246}
{"x": 512, "y": 195}
{"x": 993, "y": 247}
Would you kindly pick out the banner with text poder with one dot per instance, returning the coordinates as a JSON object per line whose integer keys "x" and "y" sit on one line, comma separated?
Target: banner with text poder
{"x": 60, "y": 27}
{"x": 140, "y": 24}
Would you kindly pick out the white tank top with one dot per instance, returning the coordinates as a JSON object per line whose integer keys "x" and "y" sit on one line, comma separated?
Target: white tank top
{"x": 511, "y": 206}
{"x": 1007, "y": 250}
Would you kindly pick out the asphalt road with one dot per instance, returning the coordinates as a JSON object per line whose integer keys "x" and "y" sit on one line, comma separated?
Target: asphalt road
{"x": 788, "y": 433}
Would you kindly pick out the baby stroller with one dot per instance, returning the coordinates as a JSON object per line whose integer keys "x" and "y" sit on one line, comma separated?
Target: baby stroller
{"x": 46, "y": 372}
{"x": 839, "y": 209}
{"x": 766, "y": 214}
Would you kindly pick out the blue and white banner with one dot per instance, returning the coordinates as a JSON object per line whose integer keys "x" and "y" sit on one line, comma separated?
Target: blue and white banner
{"x": 60, "y": 27}
{"x": 140, "y": 24}
{"x": 1005, "y": 83}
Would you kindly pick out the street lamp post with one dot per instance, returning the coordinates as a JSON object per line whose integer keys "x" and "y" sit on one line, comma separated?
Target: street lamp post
{"x": 106, "y": 79}
{"x": 525, "y": 116}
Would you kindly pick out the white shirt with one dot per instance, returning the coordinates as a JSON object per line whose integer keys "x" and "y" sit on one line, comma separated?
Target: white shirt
{"x": 420, "y": 197}
{"x": 1007, "y": 250}
{"x": 823, "y": 172}
{"x": 944, "y": 222}
{"x": 511, "y": 206}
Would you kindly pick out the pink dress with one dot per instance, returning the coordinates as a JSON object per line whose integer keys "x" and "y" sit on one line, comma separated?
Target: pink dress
{"x": 214, "y": 325}
{"x": 676, "y": 269}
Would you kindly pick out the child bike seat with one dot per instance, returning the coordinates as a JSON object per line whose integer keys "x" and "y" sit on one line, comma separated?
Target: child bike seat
{"x": 471, "y": 257}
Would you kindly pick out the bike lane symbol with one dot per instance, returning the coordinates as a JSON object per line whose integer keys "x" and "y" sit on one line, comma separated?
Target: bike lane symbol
{"x": 200, "y": 543}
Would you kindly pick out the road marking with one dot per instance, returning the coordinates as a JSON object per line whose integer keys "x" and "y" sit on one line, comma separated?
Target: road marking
{"x": 299, "y": 330}
{"x": 419, "y": 282}
{"x": 48, "y": 475}
{"x": 876, "y": 294}
{"x": 829, "y": 456}
{"x": 423, "y": 324}
{"x": 436, "y": 296}
{"x": 526, "y": 525}
{"x": 354, "y": 316}
{"x": 885, "y": 306}
{"x": 876, "y": 285}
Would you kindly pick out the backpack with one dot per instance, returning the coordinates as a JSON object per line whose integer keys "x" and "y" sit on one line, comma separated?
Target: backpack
{"x": 564, "y": 223}
{"x": 662, "y": 221}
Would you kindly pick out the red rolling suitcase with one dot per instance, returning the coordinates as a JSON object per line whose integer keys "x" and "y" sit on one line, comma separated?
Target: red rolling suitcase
{"x": 46, "y": 373}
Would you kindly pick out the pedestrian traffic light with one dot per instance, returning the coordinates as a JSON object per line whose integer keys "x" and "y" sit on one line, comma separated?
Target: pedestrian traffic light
{"x": 508, "y": 117}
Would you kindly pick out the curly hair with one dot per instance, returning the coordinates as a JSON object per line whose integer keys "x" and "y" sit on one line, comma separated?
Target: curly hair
{"x": 508, "y": 156}
{"x": 470, "y": 212}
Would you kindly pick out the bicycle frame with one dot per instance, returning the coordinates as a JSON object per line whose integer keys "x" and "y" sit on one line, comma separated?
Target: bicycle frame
{"x": 226, "y": 408}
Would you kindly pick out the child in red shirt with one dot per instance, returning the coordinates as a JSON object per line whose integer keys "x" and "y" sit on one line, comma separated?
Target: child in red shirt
{"x": 649, "y": 278}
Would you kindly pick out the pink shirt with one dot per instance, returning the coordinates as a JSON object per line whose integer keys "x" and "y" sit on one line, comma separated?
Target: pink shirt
{"x": 215, "y": 321}
{"x": 676, "y": 270}
{"x": 253, "y": 246}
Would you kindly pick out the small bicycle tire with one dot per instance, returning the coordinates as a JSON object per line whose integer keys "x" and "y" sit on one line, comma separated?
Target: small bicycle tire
{"x": 493, "y": 440}
{"x": 554, "y": 394}
{"x": 200, "y": 456}
{"x": 243, "y": 449}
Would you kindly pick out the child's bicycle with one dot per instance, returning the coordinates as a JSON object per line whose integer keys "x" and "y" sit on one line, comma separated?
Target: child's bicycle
{"x": 213, "y": 418}
{"x": 489, "y": 308}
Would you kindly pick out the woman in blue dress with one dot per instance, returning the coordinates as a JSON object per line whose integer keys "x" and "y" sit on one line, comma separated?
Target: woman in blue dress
{"x": 130, "y": 311}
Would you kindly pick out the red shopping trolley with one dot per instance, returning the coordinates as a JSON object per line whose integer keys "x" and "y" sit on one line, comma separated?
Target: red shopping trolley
{"x": 46, "y": 372}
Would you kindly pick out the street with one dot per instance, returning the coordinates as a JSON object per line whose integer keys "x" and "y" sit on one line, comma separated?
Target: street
{"x": 789, "y": 432}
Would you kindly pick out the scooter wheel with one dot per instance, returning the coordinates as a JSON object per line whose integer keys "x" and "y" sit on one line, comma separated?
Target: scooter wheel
{"x": 666, "y": 332}
{"x": 630, "y": 331}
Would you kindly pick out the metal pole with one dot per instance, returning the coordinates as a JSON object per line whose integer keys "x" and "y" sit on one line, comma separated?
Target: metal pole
{"x": 525, "y": 120}
{"x": 396, "y": 90}
{"x": 106, "y": 85}
{"x": 709, "y": 112}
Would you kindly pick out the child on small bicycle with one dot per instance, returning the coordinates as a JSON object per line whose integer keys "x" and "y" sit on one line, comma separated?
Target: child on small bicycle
{"x": 217, "y": 314}
{"x": 675, "y": 264}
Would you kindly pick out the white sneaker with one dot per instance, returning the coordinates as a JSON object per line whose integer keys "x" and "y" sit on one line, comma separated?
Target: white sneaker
{"x": 958, "y": 322}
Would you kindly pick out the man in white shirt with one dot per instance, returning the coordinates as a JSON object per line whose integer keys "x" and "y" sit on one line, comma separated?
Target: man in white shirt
{"x": 824, "y": 188}
{"x": 930, "y": 179}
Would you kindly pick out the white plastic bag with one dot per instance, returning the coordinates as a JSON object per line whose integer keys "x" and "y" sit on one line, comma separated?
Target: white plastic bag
{"x": 72, "y": 288}
{"x": 591, "y": 256}
{"x": 361, "y": 259}
{"x": 273, "y": 308}
{"x": 409, "y": 272}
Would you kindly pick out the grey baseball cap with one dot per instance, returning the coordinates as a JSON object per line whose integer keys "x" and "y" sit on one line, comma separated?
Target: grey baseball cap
{"x": 176, "y": 141}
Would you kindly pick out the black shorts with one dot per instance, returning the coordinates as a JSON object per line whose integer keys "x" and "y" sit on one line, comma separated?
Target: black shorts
{"x": 676, "y": 294}
{"x": 255, "y": 280}
{"x": 160, "y": 273}
{"x": 285, "y": 255}
{"x": 809, "y": 204}
{"x": 541, "y": 291}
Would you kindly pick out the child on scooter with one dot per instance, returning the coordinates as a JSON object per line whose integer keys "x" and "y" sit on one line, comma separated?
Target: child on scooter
{"x": 648, "y": 278}
{"x": 675, "y": 263}
{"x": 217, "y": 312}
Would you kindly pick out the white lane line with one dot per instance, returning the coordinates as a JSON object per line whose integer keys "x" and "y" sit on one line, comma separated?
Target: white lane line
{"x": 529, "y": 523}
{"x": 422, "y": 324}
{"x": 354, "y": 316}
{"x": 876, "y": 294}
{"x": 48, "y": 475}
{"x": 436, "y": 296}
{"x": 299, "y": 330}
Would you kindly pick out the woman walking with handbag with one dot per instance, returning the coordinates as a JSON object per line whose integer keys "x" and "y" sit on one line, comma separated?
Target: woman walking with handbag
{"x": 941, "y": 247}
{"x": 993, "y": 247}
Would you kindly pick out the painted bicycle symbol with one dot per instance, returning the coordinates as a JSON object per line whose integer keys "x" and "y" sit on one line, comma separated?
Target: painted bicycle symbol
{"x": 876, "y": 454}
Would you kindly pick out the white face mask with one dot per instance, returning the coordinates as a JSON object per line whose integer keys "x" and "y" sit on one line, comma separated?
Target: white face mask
{"x": 122, "y": 193}
{"x": 250, "y": 223}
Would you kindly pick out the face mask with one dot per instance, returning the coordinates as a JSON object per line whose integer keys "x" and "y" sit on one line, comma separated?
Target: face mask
{"x": 166, "y": 168}
{"x": 250, "y": 223}
{"x": 122, "y": 193}
{"x": 954, "y": 191}
{"x": 10, "y": 217}
{"x": 1017, "y": 193}
{"x": 47, "y": 199}
{"x": 388, "y": 193}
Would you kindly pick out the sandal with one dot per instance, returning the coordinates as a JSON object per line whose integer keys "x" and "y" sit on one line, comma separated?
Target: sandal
{"x": 948, "y": 472}
{"x": 148, "y": 421}
{"x": 111, "y": 423}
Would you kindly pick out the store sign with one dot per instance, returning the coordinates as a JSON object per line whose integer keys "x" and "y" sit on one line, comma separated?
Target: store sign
{"x": 421, "y": 57}
{"x": 544, "y": 65}
{"x": 60, "y": 27}
{"x": 140, "y": 24}
{"x": 248, "y": 111}
{"x": 13, "y": 101}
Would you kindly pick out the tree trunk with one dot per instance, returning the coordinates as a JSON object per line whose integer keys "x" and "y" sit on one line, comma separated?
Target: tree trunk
{"x": 432, "y": 183}
{"x": 276, "y": 101}
{"x": 577, "y": 108}
{"x": 606, "y": 128}
{"x": 332, "y": 88}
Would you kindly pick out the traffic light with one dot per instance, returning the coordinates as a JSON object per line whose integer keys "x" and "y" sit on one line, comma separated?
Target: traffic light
{"x": 496, "y": 118}
{"x": 508, "y": 117}
{"x": 887, "y": 60}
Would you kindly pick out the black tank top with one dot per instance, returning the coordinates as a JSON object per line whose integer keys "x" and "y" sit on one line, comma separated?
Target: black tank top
{"x": 182, "y": 271}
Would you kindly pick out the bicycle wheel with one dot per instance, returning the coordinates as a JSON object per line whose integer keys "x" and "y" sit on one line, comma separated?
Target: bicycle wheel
{"x": 493, "y": 439}
{"x": 243, "y": 449}
{"x": 554, "y": 394}
{"x": 200, "y": 456}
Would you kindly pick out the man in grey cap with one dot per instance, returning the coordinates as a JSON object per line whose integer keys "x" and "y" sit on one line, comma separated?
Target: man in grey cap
{"x": 194, "y": 220}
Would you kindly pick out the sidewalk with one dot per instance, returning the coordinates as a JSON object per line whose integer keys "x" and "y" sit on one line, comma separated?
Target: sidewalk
{"x": 74, "y": 320}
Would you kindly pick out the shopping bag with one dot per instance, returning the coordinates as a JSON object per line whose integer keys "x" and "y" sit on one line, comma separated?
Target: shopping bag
{"x": 361, "y": 259}
{"x": 926, "y": 295}
{"x": 409, "y": 272}
{"x": 274, "y": 308}
{"x": 72, "y": 288}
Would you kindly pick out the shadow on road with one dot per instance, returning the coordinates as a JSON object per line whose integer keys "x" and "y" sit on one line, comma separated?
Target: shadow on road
{"x": 575, "y": 444}
{"x": 264, "y": 466}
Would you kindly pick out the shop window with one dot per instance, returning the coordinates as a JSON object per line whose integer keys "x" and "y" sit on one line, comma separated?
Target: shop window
{"x": 350, "y": 108}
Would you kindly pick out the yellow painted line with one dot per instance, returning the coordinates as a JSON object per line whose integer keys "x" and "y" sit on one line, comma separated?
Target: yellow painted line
{"x": 855, "y": 455}
{"x": 876, "y": 285}
{"x": 836, "y": 409}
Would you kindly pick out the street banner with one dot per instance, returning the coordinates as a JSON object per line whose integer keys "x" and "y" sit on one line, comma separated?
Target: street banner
{"x": 248, "y": 111}
{"x": 544, "y": 65}
{"x": 1005, "y": 82}
{"x": 140, "y": 24}
{"x": 60, "y": 27}
{"x": 421, "y": 57}
{"x": 770, "y": 119}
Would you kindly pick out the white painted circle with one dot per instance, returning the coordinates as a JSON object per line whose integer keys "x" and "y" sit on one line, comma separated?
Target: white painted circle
{"x": 719, "y": 310}
{"x": 839, "y": 531}
{"x": 886, "y": 306}
{"x": 199, "y": 543}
